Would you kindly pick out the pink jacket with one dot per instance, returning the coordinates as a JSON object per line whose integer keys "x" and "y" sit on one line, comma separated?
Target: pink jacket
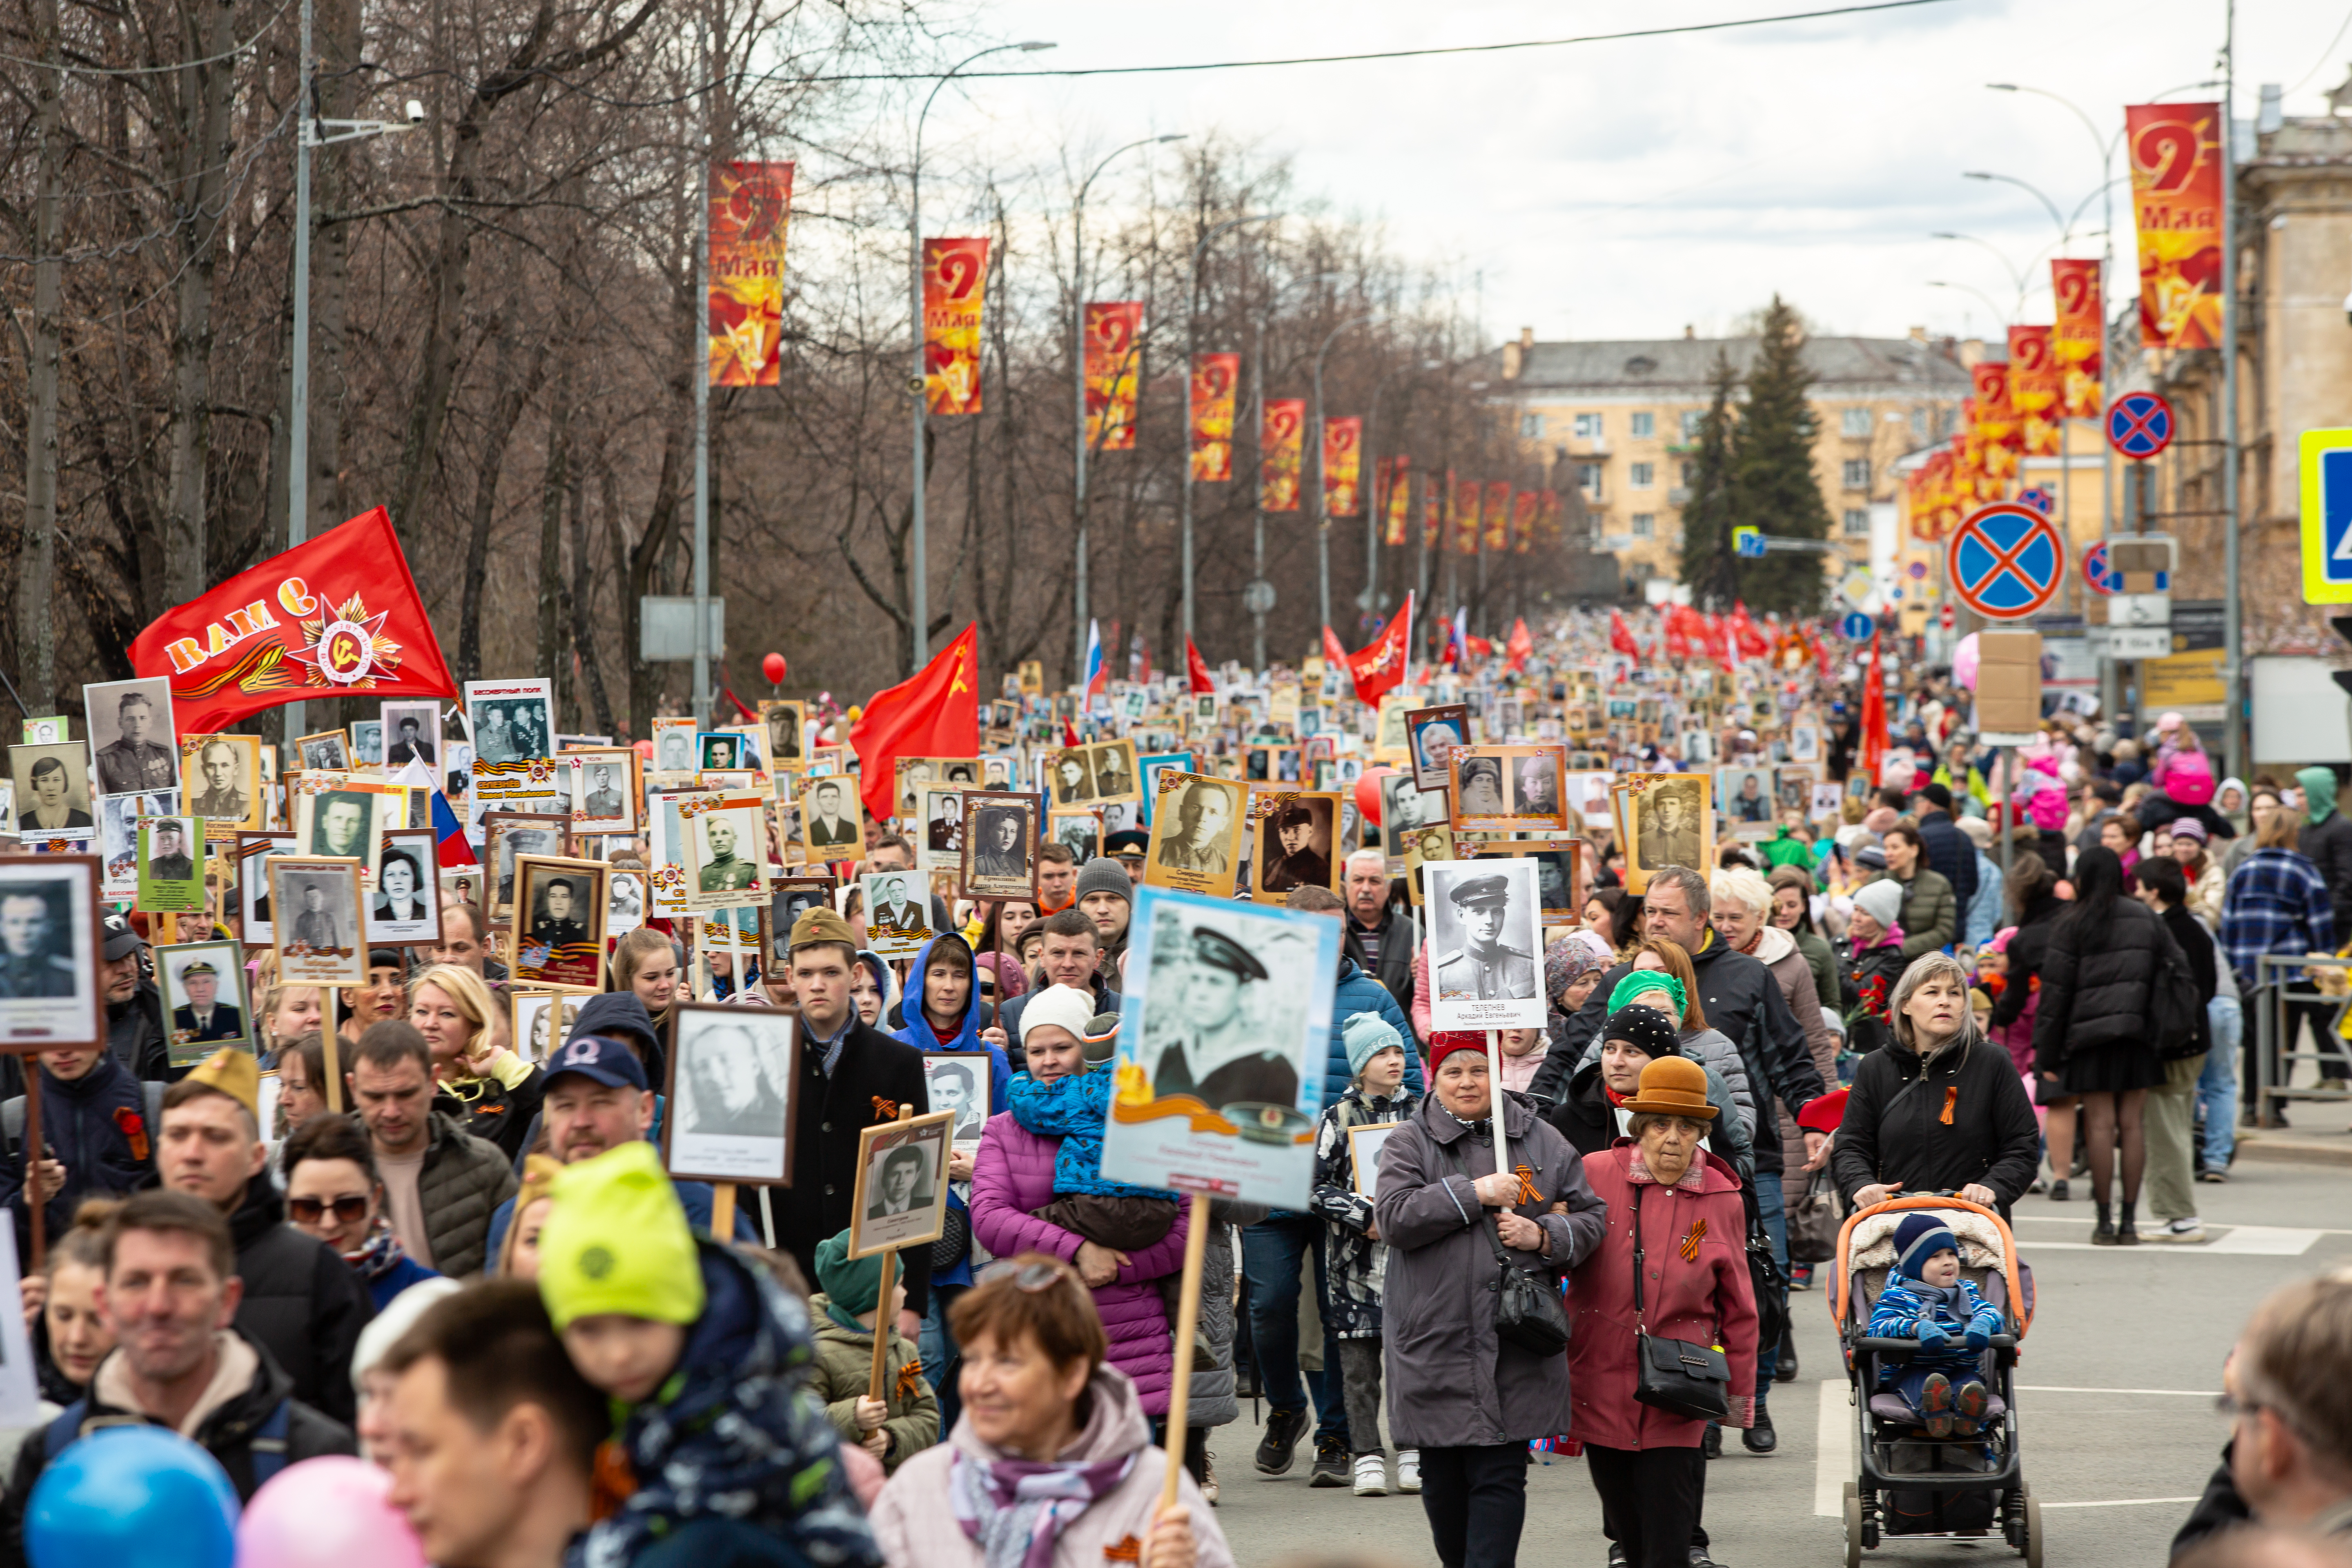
{"x": 914, "y": 1522}
{"x": 1011, "y": 1178}
{"x": 1709, "y": 1299}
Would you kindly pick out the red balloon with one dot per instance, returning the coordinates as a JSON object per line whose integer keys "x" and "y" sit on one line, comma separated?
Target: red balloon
{"x": 773, "y": 668}
{"x": 1367, "y": 792}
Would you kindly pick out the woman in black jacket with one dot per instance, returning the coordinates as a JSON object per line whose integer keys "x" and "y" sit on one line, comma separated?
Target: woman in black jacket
{"x": 2032, "y": 893}
{"x": 2091, "y": 1034}
{"x": 1938, "y": 1107}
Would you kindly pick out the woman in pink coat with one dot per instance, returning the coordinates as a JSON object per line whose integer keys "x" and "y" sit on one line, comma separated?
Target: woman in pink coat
{"x": 1012, "y": 1177}
{"x": 1644, "y": 1461}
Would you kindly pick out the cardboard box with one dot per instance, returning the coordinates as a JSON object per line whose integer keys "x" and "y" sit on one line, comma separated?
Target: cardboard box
{"x": 2009, "y": 681}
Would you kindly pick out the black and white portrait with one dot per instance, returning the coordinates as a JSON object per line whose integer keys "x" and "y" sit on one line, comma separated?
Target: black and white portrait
{"x": 118, "y": 834}
{"x": 1297, "y": 837}
{"x": 898, "y": 916}
{"x": 510, "y": 721}
{"x": 1405, "y": 809}
{"x": 52, "y": 785}
{"x": 1153, "y": 766}
{"x": 345, "y": 822}
{"x": 367, "y": 743}
{"x": 542, "y": 1021}
{"x": 1079, "y": 832}
{"x": 507, "y": 835}
{"x": 1071, "y": 777}
{"x": 789, "y": 900}
{"x": 227, "y": 782}
{"x": 1115, "y": 774}
{"x": 48, "y": 961}
{"x": 902, "y": 1188}
{"x": 1000, "y": 851}
{"x": 600, "y": 790}
{"x": 327, "y": 751}
{"x": 412, "y": 733}
{"x": 674, "y": 746}
{"x": 959, "y": 1085}
{"x": 1485, "y": 943}
{"x": 131, "y": 736}
{"x": 941, "y": 847}
{"x": 624, "y": 902}
{"x": 725, "y": 855}
{"x": 406, "y": 908}
{"x": 1670, "y": 826}
{"x": 558, "y": 934}
{"x": 317, "y": 922}
{"x": 831, "y": 827}
{"x": 1197, "y": 827}
{"x": 731, "y": 1076}
{"x": 1229, "y": 991}
{"x": 1480, "y": 789}
{"x": 785, "y": 721}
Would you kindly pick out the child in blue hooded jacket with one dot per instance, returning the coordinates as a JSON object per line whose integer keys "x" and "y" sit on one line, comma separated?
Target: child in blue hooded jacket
{"x": 1927, "y": 1300}
{"x": 1111, "y": 1214}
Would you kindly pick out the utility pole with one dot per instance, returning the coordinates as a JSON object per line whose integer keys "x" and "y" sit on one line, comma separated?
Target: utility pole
{"x": 2233, "y": 732}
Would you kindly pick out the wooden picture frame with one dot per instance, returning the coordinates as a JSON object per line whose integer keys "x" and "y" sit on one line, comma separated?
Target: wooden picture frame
{"x": 985, "y": 871}
{"x": 238, "y": 802}
{"x": 724, "y": 1094}
{"x": 883, "y": 1218}
{"x": 56, "y": 957}
{"x": 309, "y": 943}
{"x": 498, "y": 855}
{"x": 228, "y": 1017}
{"x": 1364, "y": 1155}
{"x": 558, "y": 947}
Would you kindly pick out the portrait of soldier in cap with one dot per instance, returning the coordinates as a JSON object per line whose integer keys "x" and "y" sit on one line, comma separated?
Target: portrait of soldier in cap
{"x": 167, "y": 851}
{"x": 135, "y": 761}
{"x": 1289, "y": 848}
{"x": 203, "y": 1017}
{"x": 1193, "y": 838}
{"x": 1481, "y": 788}
{"x": 556, "y": 922}
{"x": 1666, "y": 827}
{"x": 1484, "y": 967}
{"x": 1218, "y": 1051}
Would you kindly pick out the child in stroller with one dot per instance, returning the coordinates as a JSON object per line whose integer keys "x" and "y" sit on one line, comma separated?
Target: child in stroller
{"x": 1927, "y": 1299}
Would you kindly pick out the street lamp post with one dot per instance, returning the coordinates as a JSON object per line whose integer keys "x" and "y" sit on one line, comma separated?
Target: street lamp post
{"x": 918, "y": 565}
{"x": 1322, "y": 494}
{"x": 1191, "y": 346}
{"x": 1078, "y": 375}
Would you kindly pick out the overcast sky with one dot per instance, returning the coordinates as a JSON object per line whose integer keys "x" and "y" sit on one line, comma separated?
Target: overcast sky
{"x": 1625, "y": 189}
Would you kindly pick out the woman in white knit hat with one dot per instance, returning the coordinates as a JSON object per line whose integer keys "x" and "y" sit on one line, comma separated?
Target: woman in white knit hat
{"x": 1871, "y": 959}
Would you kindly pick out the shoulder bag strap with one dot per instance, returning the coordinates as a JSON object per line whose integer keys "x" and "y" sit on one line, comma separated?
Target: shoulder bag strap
{"x": 1641, "y": 1314}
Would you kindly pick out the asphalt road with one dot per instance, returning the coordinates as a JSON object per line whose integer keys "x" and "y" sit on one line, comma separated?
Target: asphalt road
{"x": 2117, "y": 1425}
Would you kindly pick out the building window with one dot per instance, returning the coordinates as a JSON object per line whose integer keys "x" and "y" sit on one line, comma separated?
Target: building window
{"x": 1690, "y": 473}
{"x": 1692, "y": 419}
{"x": 1855, "y": 422}
{"x": 1646, "y": 424}
{"x": 1646, "y": 525}
{"x": 1588, "y": 426}
{"x": 1857, "y": 473}
{"x": 1588, "y": 479}
{"x": 1857, "y": 522}
{"x": 1531, "y": 427}
{"x": 1918, "y": 425}
{"x": 1642, "y": 476}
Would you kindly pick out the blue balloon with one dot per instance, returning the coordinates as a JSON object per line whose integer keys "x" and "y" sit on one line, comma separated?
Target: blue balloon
{"x": 131, "y": 1497}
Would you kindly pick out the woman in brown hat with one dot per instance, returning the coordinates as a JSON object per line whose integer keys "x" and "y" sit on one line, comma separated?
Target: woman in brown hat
{"x": 1675, "y": 1218}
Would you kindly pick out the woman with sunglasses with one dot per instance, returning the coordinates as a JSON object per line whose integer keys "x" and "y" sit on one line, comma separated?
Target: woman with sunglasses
{"x": 332, "y": 1192}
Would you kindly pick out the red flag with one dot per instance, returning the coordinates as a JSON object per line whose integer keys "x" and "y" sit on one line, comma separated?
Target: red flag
{"x": 1621, "y": 637}
{"x": 1378, "y": 667}
{"x": 1750, "y": 641}
{"x": 1196, "y": 670}
{"x": 936, "y": 713}
{"x": 1874, "y": 713}
{"x": 1520, "y": 645}
{"x": 1480, "y": 647}
{"x": 333, "y": 617}
{"x": 1333, "y": 654}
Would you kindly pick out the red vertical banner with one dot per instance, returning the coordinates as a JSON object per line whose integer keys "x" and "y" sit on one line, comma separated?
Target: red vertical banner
{"x": 2034, "y": 388}
{"x": 751, "y": 205}
{"x": 1433, "y": 512}
{"x": 955, "y": 286}
{"x": 1548, "y": 515}
{"x": 1114, "y": 354}
{"x": 2078, "y": 340}
{"x": 2175, "y": 174}
{"x": 1281, "y": 444}
{"x": 1465, "y": 518}
{"x": 1215, "y": 377}
{"x": 1523, "y": 523}
{"x": 1396, "y": 512}
{"x": 1498, "y": 515}
{"x": 1343, "y": 466}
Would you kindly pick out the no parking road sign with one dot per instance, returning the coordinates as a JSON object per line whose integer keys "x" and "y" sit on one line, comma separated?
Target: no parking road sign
{"x": 2005, "y": 561}
{"x": 2139, "y": 425}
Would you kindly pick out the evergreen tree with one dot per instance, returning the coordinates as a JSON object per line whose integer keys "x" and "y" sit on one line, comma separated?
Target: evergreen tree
{"x": 1707, "y": 565}
{"x": 1773, "y": 486}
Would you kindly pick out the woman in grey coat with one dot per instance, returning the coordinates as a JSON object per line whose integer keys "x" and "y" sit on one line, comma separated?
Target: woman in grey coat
{"x": 1449, "y": 1190}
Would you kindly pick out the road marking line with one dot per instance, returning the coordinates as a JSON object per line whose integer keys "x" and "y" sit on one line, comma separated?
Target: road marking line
{"x": 1833, "y": 1450}
{"x": 2183, "y": 1392}
{"x": 2121, "y": 1502}
{"x": 2263, "y": 1241}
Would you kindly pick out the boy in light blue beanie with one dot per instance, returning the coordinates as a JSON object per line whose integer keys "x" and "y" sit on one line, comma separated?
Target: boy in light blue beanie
{"x": 1376, "y": 1095}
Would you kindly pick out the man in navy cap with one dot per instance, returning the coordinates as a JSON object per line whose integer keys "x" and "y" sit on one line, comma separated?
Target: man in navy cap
{"x": 1484, "y": 969}
{"x": 1216, "y": 1055}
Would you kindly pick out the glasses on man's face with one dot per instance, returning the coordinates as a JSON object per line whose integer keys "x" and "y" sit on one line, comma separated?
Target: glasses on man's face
{"x": 308, "y": 1210}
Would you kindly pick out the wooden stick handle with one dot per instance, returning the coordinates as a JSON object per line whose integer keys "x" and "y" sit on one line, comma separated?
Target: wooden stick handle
{"x": 882, "y": 1316}
{"x": 33, "y": 1161}
{"x": 722, "y": 1211}
{"x": 1188, "y": 1313}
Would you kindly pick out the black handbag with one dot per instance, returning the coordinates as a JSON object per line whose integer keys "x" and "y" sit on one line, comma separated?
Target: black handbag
{"x": 1528, "y": 1313}
{"x": 1681, "y": 1377}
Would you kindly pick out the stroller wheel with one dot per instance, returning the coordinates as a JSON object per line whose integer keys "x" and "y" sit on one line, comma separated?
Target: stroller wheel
{"x": 2033, "y": 1551}
{"x": 1854, "y": 1526}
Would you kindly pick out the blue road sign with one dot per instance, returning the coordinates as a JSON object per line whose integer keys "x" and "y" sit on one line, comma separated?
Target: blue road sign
{"x": 1856, "y": 626}
{"x": 2326, "y": 456}
{"x": 2104, "y": 578}
{"x": 2139, "y": 425}
{"x": 1748, "y": 540}
{"x": 2005, "y": 561}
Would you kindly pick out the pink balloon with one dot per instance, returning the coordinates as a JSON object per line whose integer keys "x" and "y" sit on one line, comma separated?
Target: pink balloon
{"x": 329, "y": 1512}
{"x": 1964, "y": 662}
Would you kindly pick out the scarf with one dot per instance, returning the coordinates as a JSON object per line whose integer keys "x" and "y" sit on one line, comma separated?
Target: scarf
{"x": 1017, "y": 1509}
{"x": 379, "y": 1254}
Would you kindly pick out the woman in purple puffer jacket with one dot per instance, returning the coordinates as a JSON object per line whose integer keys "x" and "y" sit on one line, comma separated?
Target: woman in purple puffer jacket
{"x": 1012, "y": 1177}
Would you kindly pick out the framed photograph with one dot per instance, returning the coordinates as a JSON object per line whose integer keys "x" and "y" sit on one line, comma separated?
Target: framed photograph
{"x": 318, "y": 932}
{"x": 1432, "y": 734}
{"x": 1198, "y": 825}
{"x": 897, "y": 912}
{"x": 1219, "y": 1070}
{"x": 1152, "y": 767}
{"x": 996, "y": 772}
{"x": 405, "y": 909}
{"x": 789, "y": 898}
{"x": 901, "y": 1198}
{"x": 1421, "y": 847}
{"x": 1271, "y": 764}
{"x": 7, "y": 808}
{"x": 1119, "y": 817}
{"x": 1559, "y": 871}
{"x": 721, "y": 751}
{"x": 1033, "y": 677}
{"x": 1587, "y": 794}
{"x": 625, "y": 900}
{"x": 731, "y": 1072}
{"x": 253, "y": 850}
{"x": 132, "y": 739}
{"x": 557, "y": 940}
{"x": 510, "y": 721}
{"x": 675, "y": 748}
{"x": 1508, "y": 789}
{"x": 1669, "y": 823}
{"x": 225, "y": 774}
{"x": 785, "y": 721}
{"x": 48, "y": 731}
{"x": 1205, "y": 710}
{"x": 1405, "y": 809}
{"x": 1486, "y": 928}
{"x": 600, "y": 784}
{"x": 347, "y": 818}
{"x": 52, "y": 788}
{"x": 831, "y": 825}
{"x": 1745, "y": 792}
{"x": 1827, "y": 796}
{"x": 999, "y": 844}
{"x": 170, "y": 865}
{"x": 541, "y": 1020}
{"x": 328, "y": 751}
{"x": 50, "y": 946}
{"x": 958, "y": 1085}
{"x": 204, "y": 997}
{"x": 464, "y": 885}
{"x": 1117, "y": 777}
{"x": 1298, "y": 843}
{"x": 412, "y": 733}
{"x": 941, "y": 820}
{"x": 118, "y": 837}
{"x": 367, "y": 743}
{"x": 507, "y": 835}
{"x": 1792, "y": 788}
{"x": 1364, "y": 1145}
{"x": 1070, "y": 775}
{"x": 722, "y": 846}
{"x": 1079, "y": 830}
{"x": 1804, "y": 742}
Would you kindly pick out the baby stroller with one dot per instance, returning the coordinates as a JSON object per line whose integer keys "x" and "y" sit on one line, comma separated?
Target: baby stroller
{"x": 1909, "y": 1484}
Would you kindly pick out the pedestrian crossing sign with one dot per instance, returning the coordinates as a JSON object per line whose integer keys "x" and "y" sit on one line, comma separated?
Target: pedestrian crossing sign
{"x": 2326, "y": 469}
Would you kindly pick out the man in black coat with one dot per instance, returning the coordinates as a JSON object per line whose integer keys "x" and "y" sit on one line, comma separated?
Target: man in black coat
{"x": 852, "y": 1077}
{"x": 134, "y": 1012}
{"x": 1949, "y": 850}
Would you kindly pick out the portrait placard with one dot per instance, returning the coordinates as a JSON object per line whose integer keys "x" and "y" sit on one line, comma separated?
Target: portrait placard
{"x": 510, "y": 721}
{"x": 52, "y": 788}
{"x": 1198, "y": 825}
{"x": 1668, "y": 824}
{"x": 720, "y": 848}
{"x": 1827, "y": 798}
{"x": 367, "y": 743}
{"x": 1077, "y": 829}
{"x": 731, "y": 1072}
{"x": 118, "y": 837}
{"x": 557, "y": 939}
{"x": 318, "y": 932}
{"x": 507, "y": 835}
{"x": 225, "y": 774}
{"x": 1432, "y": 734}
{"x": 325, "y": 752}
{"x": 789, "y": 898}
{"x": 412, "y": 733}
{"x": 1746, "y": 791}
{"x": 1793, "y": 787}
{"x": 723, "y": 752}
{"x": 1405, "y": 809}
{"x": 831, "y": 825}
{"x": 786, "y": 720}
{"x": 1152, "y": 767}
{"x": 1070, "y": 776}
{"x": 1364, "y": 1145}
{"x": 1587, "y": 794}
{"x": 902, "y": 1184}
{"x": 1486, "y": 933}
{"x": 1421, "y": 847}
{"x": 253, "y": 883}
{"x": 205, "y": 998}
{"x": 675, "y": 754}
{"x": 600, "y": 784}
{"x": 1295, "y": 843}
{"x": 1270, "y": 765}
{"x": 959, "y": 1085}
{"x": 50, "y": 946}
{"x": 939, "y": 827}
{"x": 1559, "y": 871}
{"x": 465, "y": 885}
{"x": 1218, "y": 1074}
{"x": 131, "y": 740}
{"x": 625, "y": 900}
{"x": 1116, "y": 775}
{"x": 1510, "y": 789}
{"x": 346, "y": 819}
{"x": 1392, "y": 742}
{"x": 897, "y": 914}
{"x": 540, "y": 1022}
{"x": 999, "y": 845}
{"x": 404, "y": 910}
{"x": 170, "y": 878}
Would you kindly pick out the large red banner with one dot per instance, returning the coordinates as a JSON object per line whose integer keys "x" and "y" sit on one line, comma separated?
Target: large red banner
{"x": 751, "y": 205}
{"x": 1464, "y": 531}
{"x": 1343, "y": 470}
{"x": 2176, "y": 175}
{"x": 1499, "y": 516}
{"x": 2078, "y": 340}
{"x": 1395, "y": 499}
{"x": 1523, "y": 523}
{"x": 1281, "y": 444}
{"x": 334, "y": 615}
{"x": 1114, "y": 353}
{"x": 1432, "y": 513}
{"x": 1213, "y": 379}
{"x": 955, "y": 287}
{"x": 2034, "y": 388}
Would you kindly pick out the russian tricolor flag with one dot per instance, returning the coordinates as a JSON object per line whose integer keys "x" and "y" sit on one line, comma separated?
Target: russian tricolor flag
{"x": 448, "y": 829}
{"x": 1097, "y": 678}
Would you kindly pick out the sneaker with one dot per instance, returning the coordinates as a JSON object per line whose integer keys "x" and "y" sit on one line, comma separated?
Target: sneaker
{"x": 1209, "y": 1478}
{"x": 2213, "y": 1174}
{"x": 1699, "y": 1559}
{"x": 1617, "y": 1557}
{"x": 1408, "y": 1471}
{"x": 1968, "y": 1402}
{"x": 2188, "y": 1229}
{"x": 1331, "y": 1466}
{"x": 1934, "y": 1394}
{"x": 1371, "y": 1474}
{"x": 1282, "y": 1430}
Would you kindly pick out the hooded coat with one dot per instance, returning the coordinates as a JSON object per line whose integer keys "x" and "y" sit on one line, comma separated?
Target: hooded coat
{"x": 2325, "y": 839}
{"x": 919, "y": 1033}
{"x": 1359, "y": 993}
{"x": 845, "y": 1371}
